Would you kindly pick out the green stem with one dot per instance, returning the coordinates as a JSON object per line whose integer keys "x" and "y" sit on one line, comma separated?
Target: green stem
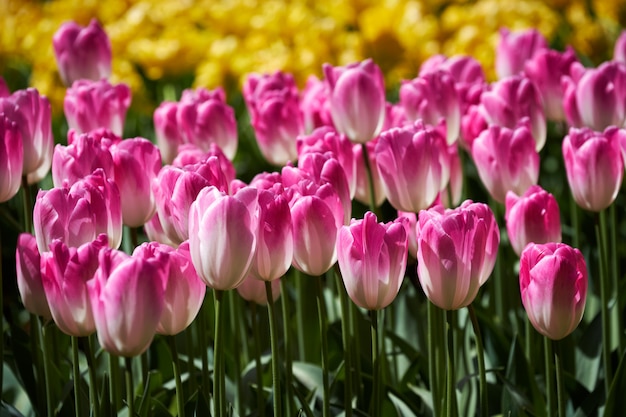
{"x": 260, "y": 399}
{"x": 604, "y": 303}
{"x": 93, "y": 379}
{"x": 35, "y": 346}
{"x": 549, "y": 359}
{"x": 145, "y": 367}
{"x": 323, "y": 320}
{"x": 375, "y": 404}
{"x": 76, "y": 375}
{"x": 355, "y": 347}
{"x": 235, "y": 323}
{"x": 370, "y": 180}
{"x": 180, "y": 397}
{"x": 28, "y": 206}
{"x": 615, "y": 283}
{"x": 275, "y": 354}
{"x": 115, "y": 387}
{"x": 560, "y": 387}
{"x": 433, "y": 359}
{"x": 345, "y": 337}
{"x": 191, "y": 366}
{"x": 218, "y": 358}
{"x": 451, "y": 406}
{"x": 480, "y": 357}
{"x": 301, "y": 327}
{"x": 46, "y": 368}
{"x": 130, "y": 389}
{"x": 202, "y": 331}
{"x": 284, "y": 299}
{"x": 573, "y": 207}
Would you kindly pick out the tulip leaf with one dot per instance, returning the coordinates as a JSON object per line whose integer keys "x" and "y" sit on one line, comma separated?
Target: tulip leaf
{"x": 616, "y": 400}
{"x": 520, "y": 394}
{"x": 589, "y": 354}
{"x": 197, "y": 405}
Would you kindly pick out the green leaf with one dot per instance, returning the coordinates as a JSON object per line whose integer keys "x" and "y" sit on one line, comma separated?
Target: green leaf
{"x": 520, "y": 395}
{"x": 617, "y": 400}
{"x": 589, "y": 355}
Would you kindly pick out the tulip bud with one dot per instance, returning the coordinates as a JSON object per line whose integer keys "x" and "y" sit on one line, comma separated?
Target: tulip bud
{"x": 29, "y": 283}
{"x": 82, "y": 52}
{"x": 314, "y": 105}
{"x": 619, "y": 50}
{"x": 553, "y": 285}
{"x": 514, "y": 49}
{"x": 11, "y": 159}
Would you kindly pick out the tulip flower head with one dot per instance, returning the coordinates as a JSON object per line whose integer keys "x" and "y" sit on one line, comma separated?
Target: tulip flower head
{"x": 357, "y": 99}
{"x": 372, "y": 258}
{"x": 253, "y": 289}
{"x": 11, "y": 159}
{"x": 314, "y": 105}
{"x": 619, "y": 50}
{"x": 453, "y": 256}
{"x": 515, "y": 48}
{"x": 553, "y": 284}
{"x": 29, "y": 281}
{"x": 82, "y": 52}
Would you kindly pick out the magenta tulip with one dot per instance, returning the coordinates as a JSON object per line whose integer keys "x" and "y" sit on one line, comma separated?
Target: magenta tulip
{"x": 29, "y": 281}
{"x": 594, "y": 166}
{"x": 189, "y": 154}
{"x": 78, "y": 214}
{"x": 154, "y": 231}
{"x": 253, "y": 289}
{"x": 11, "y": 159}
{"x": 222, "y": 236}
{"x": 515, "y": 48}
{"x": 553, "y": 283}
{"x": 357, "y": 99}
{"x": 372, "y": 258}
{"x": 274, "y": 107}
{"x": 533, "y": 217}
{"x": 166, "y": 130}
{"x": 136, "y": 164}
{"x": 410, "y": 165}
{"x": 82, "y": 52}
{"x": 433, "y": 97}
{"x": 619, "y": 49}
{"x": 127, "y": 300}
{"x": 65, "y": 273}
{"x": 452, "y": 257}
{"x": 90, "y": 105}
{"x": 506, "y": 160}
{"x": 314, "y": 105}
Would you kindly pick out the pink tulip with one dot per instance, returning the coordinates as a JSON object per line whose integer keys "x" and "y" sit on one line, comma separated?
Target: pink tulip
{"x": 515, "y": 48}
{"x": 175, "y": 189}
{"x": 545, "y": 69}
{"x": 484, "y": 214}
{"x": 372, "y": 258}
{"x": 83, "y": 155}
{"x": 410, "y": 166}
{"x": 90, "y": 105}
{"x": 327, "y": 139}
{"x": 506, "y": 160}
{"x": 451, "y": 254}
{"x": 362, "y": 191}
{"x": 473, "y": 122}
{"x": 274, "y": 107}
{"x": 357, "y": 99}
{"x": 533, "y": 217}
{"x": 31, "y": 112}
{"x": 136, "y": 164}
{"x": 183, "y": 290}
{"x": 29, "y": 282}
{"x": 433, "y": 97}
{"x": 595, "y": 97}
{"x": 594, "y": 166}
{"x": 78, "y": 214}
{"x": 411, "y": 224}
{"x": 553, "y": 283}
{"x": 82, "y": 52}
{"x": 203, "y": 117}
{"x": 154, "y": 231}
{"x": 168, "y": 135}
{"x": 189, "y": 154}
{"x": 65, "y": 273}
{"x": 222, "y": 236}
{"x": 512, "y": 99}
{"x": 253, "y": 289}
{"x": 619, "y": 50}
{"x": 314, "y": 105}
{"x": 11, "y": 159}
{"x": 127, "y": 300}
{"x": 317, "y": 215}
{"x": 274, "y": 235}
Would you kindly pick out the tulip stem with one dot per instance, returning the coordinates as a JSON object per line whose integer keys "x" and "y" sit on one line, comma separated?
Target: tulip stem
{"x": 345, "y": 336}
{"x": 201, "y": 329}
{"x": 93, "y": 379}
{"x": 180, "y": 399}
{"x": 560, "y": 388}
{"x": 274, "y": 346}
{"x": 451, "y": 379}
{"x": 480, "y": 357}
{"x": 260, "y": 400}
{"x": 323, "y": 320}
{"x": 115, "y": 386}
{"x": 604, "y": 301}
{"x": 235, "y": 323}
{"x": 191, "y": 355}
{"x": 376, "y": 400}
{"x": 130, "y": 389}
{"x": 219, "y": 382}
{"x": 549, "y": 359}
{"x": 615, "y": 283}
{"x": 370, "y": 180}
{"x": 28, "y": 205}
{"x": 46, "y": 368}
{"x": 433, "y": 359}
{"x": 284, "y": 299}
{"x": 301, "y": 326}
{"x": 76, "y": 376}
{"x": 355, "y": 346}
